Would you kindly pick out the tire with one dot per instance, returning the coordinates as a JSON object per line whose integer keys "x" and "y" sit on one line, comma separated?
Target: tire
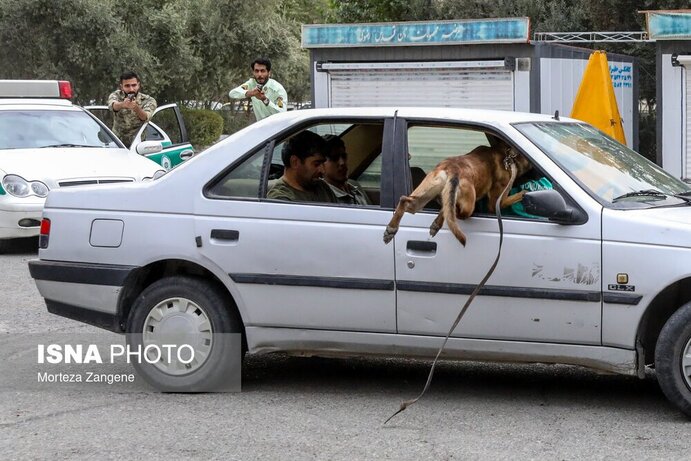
{"x": 673, "y": 359}
{"x": 195, "y": 315}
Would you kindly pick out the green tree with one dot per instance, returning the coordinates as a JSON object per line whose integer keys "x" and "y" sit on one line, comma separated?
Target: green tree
{"x": 75, "y": 40}
{"x": 161, "y": 28}
{"x": 348, "y": 11}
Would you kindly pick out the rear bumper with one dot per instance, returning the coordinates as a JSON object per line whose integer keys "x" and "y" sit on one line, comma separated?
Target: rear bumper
{"x": 85, "y": 292}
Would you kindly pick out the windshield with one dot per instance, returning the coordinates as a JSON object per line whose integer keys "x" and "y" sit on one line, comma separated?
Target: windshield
{"x": 29, "y": 129}
{"x": 615, "y": 174}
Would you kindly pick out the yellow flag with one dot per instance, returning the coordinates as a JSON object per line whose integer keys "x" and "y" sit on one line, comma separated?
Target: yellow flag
{"x": 595, "y": 102}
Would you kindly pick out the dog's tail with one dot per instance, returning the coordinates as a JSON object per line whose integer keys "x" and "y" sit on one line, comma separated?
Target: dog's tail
{"x": 448, "y": 199}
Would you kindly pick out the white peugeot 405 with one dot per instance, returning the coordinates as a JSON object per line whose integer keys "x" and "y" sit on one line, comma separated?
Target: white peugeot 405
{"x": 47, "y": 143}
{"x": 595, "y": 268}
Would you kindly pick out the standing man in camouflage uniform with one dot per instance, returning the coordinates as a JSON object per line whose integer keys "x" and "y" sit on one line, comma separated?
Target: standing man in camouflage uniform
{"x": 267, "y": 95}
{"x": 131, "y": 109}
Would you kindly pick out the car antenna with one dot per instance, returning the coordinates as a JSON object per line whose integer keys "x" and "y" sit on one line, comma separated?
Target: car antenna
{"x": 556, "y": 115}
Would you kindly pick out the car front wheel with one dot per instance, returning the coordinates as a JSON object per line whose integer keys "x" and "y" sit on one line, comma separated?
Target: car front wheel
{"x": 673, "y": 359}
{"x": 185, "y": 335}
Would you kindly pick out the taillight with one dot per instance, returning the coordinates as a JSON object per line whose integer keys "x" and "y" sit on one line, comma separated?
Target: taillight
{"x": 65, "y": 88}
{"x": 44, "y": 233}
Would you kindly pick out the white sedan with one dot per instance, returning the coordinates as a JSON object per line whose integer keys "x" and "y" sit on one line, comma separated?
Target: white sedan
{"x": 595, "y": 268}
{"x": 47, "y": 143}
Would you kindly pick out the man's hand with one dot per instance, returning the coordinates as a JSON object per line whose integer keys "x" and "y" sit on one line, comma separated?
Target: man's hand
{"x": 257, "y": 93}
{"x": 132, "y": 105}
{"x": 128, "y": 103}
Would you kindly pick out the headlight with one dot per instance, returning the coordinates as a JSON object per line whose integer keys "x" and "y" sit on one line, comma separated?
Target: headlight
{"x": 20, "y": 187}
{"x": 39, "y": 189}
{"x": 16, "y": 185}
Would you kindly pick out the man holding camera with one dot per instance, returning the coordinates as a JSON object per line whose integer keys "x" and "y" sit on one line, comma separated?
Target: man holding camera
{"x": 267, "y": 95}
{"x": 131, "y": 109}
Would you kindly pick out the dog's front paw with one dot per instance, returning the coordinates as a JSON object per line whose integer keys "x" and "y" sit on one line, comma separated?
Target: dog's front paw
{"x": 389, "y": 234}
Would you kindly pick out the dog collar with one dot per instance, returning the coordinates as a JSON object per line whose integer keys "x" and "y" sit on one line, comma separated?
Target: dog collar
{"x": 509, "y": 158}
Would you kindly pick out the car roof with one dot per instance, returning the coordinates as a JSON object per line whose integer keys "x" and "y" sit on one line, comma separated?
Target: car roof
{"x": 441, "y": 113}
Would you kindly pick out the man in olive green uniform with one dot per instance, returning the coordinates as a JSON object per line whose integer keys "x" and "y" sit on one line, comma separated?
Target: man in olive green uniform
{"x": 267, "y": 95}
{"x": 336, "y": 173}
{"x": 303, "y": 157}
{"x": 131, "y": 109}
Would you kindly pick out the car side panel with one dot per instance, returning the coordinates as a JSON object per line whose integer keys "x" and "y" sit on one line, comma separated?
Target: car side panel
{"x": 174, "y": 235}
{"x": 297, "y": 265}
{"x": 632, "y": 247}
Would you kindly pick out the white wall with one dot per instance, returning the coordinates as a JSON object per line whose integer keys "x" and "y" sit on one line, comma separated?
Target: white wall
{"x": 672, "y": 117}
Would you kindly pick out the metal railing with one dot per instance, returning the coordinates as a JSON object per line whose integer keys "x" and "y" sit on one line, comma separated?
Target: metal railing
{"x": 591, "y": 37}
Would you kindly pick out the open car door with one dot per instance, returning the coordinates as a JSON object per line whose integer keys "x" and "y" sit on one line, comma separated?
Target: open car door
{"x": 166, "y": 126}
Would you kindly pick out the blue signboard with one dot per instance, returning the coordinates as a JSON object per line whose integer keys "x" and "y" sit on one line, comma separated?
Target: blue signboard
{"x": 669, "y": 25}
{"x": 509, "y": 30}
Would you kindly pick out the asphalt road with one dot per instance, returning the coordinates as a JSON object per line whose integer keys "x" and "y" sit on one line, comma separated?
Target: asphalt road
{"x": 313, "y": 408}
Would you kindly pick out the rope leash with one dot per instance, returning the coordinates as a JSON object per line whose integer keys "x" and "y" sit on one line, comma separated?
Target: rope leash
{"x": 508, "y": 164}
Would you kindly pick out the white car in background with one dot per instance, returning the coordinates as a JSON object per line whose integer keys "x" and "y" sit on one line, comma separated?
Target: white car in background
{"x": 46, "y": 143}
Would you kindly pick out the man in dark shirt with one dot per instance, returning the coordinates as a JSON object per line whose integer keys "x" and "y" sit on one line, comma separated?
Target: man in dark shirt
{"x": 303, "y": 158}
{"x": 336, "y": 173}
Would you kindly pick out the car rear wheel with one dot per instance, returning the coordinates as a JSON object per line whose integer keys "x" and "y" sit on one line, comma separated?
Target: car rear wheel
{"x": 186, "y": 336}
{"x": 673, "y": 359}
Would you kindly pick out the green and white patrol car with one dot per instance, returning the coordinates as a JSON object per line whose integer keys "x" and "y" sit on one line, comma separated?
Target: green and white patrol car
{"x": 46, "y": 143}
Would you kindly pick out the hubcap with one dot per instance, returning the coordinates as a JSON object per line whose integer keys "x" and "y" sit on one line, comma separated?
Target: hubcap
{"x": 177, "y": 336}
{"x": 686, "y": 363}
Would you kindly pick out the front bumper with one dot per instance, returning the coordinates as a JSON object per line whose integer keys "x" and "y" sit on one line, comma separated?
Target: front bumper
{"x": 13, "y": 210}
{"x": 85, "y": 292}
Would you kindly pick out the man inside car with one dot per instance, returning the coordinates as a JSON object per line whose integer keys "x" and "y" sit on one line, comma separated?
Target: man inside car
{"x": 303, "y": 158}
{"x": 336, "y": 173}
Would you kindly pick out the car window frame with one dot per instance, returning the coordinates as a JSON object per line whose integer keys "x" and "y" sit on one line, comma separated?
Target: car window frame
{"x": 626, "y": 205}
{"x": 75, "y": 108}
{"x": 404, "y": 179}
{"x": 103, "y": 124}
{"x": 269, "y": 146}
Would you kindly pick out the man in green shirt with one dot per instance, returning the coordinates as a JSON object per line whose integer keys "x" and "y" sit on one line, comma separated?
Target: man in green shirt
{"x": 131, "y": 109}
{"x": 303, "y": 158}
{"x": 267, "y": 95}
{"x": 336, "y": 173}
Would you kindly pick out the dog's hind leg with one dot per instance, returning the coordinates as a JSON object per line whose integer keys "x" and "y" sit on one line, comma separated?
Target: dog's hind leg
{"x": 437, "y": 223}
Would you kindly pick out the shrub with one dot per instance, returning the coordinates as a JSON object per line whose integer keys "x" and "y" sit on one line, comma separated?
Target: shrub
{"x": 235, "y": 120}
{"x": 204, "y": 127}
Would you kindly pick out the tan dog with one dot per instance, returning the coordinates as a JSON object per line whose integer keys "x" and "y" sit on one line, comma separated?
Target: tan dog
{"x": 461, "y": 181}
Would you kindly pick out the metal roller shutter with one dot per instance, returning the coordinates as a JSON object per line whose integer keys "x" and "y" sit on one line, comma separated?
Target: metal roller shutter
{"x": 422, "y": 85}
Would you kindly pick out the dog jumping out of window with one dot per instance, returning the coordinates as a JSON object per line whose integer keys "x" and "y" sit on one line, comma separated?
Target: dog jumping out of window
{"x": 459, "y": 182}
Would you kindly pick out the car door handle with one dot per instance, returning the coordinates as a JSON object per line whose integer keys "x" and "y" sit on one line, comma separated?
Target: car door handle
{"x": 225, "y": 235}
{"x": 184, "y": 155}
{"x": 416, "y": 247}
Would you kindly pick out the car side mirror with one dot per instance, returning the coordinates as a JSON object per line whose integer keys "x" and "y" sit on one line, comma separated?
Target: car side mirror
{"x": 103, "y": 137}
{"x": 149, "y": 147}
{"x": 550, "y": 204}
